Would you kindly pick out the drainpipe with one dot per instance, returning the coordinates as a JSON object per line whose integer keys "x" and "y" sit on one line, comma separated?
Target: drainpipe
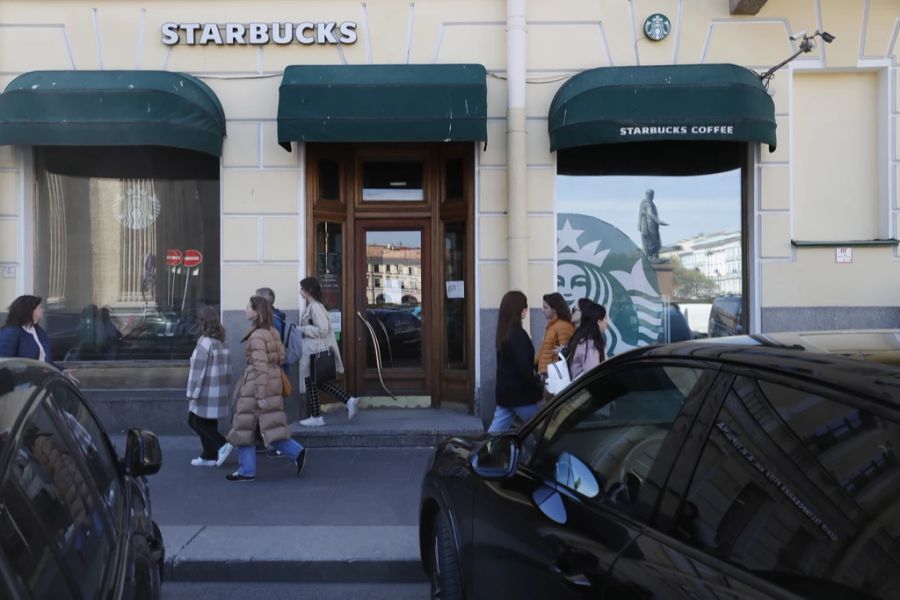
{"x": 517, "y": 200}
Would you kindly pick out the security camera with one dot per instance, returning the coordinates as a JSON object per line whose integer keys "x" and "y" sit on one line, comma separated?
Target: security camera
{"x": 827, "y": 37}
{"x": 798, "y": 36}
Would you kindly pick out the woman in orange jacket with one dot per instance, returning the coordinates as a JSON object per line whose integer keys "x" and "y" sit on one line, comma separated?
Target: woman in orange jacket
{"x": 559, "y": 330}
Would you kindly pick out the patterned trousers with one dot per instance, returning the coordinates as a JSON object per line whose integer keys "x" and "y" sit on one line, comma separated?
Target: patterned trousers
{"x": 312, "y": 395}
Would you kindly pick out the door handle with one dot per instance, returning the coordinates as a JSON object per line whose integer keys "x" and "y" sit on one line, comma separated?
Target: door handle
{"x": 576, "y": 580}
{"x": 377, "y": 354}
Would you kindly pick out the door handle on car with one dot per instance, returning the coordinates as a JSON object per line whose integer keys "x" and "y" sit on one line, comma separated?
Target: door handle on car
{"x": 577, "y": 580}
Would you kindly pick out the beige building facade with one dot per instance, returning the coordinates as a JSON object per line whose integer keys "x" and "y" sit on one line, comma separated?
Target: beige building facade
{"x": 829, "y": 191}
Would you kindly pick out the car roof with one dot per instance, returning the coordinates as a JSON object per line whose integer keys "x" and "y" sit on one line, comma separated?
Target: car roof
{"x": 866, "y": 362}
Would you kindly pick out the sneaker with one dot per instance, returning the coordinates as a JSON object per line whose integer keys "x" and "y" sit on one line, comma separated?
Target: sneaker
{"x": 202, "y": 462}
{"x": 224, "y": 451}
{"x": 238, "y": 477}
{"x": 301, "y": 461}
{"x": 352, "y": 407}
{"x": 273, "y": 453}
{"x": 312, "y": 422}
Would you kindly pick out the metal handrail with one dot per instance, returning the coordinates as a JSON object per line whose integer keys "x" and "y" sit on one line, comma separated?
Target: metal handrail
{"x": 371, "y": 331}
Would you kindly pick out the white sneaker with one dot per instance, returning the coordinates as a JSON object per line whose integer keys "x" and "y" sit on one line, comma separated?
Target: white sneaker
{"x": 352, "y": 407}
{"x": 312, "y": 422}
{"x": 202, "y": 462}
{"x": 224, "y": 451}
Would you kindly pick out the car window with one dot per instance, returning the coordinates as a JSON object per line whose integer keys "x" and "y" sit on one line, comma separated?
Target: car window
{"x": 615, "y": 426}
{"x": 92, "y": 443}
{"x": 52, "y": 529}
{"x": 799, "y": 488}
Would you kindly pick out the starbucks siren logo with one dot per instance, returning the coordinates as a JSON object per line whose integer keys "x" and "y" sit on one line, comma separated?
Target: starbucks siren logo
{"x": 597, "y": 261}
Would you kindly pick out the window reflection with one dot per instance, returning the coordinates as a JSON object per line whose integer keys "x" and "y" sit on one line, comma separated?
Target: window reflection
{"x": 394, "y": 297}
{"x": 657, "y": 251}
{"x": 124, "y": 261}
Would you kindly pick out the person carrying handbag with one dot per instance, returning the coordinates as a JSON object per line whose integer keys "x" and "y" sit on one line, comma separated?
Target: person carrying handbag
{"x": 321, "y": 355}
{"x": 259, "y": 404}
{"x": 586, "y": 347}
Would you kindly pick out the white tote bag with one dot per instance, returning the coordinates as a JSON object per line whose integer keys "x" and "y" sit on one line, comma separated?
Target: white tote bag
{"x": 558, "y": 375}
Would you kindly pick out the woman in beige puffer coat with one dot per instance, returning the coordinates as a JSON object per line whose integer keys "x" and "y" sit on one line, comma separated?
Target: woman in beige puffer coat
{"x": 258, "y": 400}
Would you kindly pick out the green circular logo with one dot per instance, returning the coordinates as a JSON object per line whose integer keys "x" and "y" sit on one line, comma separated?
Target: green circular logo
{"x": 657, "y": 27}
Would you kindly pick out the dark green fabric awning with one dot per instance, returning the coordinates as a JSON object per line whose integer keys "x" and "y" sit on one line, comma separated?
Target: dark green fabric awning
{"x": 610, "y": 105}
{"x": 382, "y": 103}
{"x": 111, "y": 108}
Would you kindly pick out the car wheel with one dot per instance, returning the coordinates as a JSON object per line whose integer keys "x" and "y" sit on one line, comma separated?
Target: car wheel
{"x": 446, "y": 581}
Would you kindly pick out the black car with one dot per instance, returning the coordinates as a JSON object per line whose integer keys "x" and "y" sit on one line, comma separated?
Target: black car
{"x": 747, "y": 467}
{"x": 726, "y": 316}
{"x": 75, "y": 520}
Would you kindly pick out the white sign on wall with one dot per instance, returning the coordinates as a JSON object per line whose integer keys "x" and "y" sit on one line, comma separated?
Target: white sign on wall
{"x": 843, "y": 255}
{"x": 257, "y": 34}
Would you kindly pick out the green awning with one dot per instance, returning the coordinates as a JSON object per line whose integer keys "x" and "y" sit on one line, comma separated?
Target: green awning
{"x": 610, "y": 105}
{"x": 382, "y": 103}
{"x": 111, "y": 108}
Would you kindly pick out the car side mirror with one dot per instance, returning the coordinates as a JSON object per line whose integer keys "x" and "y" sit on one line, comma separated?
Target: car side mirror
{"x": 496, "y": 457}
{"x": 143, "y": 456}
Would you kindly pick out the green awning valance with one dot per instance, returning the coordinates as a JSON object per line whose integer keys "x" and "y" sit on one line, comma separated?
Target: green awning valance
{"x": 382, "y": 103}
{"x": 609, "y": 105}
{"x": 111, "y": 108}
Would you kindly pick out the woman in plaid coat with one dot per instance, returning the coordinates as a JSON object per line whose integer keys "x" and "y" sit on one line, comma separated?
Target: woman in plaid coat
{"x": 207, "y": 389}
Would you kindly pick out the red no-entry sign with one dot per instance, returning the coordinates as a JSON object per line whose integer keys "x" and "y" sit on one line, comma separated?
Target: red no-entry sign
{"x": 192, "y": 258}
{"x": 173, "y": 257}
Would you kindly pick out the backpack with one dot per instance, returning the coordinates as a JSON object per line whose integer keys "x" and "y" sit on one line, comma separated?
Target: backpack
{"x": 293, "y": 343}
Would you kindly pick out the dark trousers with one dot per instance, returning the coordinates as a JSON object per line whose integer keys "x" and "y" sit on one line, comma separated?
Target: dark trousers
{"x": 312, "y": 395}
{"x": 210, "y": 438}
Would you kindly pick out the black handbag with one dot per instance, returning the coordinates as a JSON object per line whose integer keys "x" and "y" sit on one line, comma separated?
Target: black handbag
{"x": 321, "y": 367}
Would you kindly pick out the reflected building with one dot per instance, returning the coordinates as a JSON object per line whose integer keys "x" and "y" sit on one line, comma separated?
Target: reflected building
{"x": 393, "y": 274}
{"x": 716, "y": 255}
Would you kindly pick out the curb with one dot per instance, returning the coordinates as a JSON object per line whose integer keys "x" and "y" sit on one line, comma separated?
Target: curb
{"x": 309, "y": 554}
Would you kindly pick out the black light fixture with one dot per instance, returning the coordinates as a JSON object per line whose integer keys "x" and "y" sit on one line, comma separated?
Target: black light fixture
{"x": 807, "y": 44}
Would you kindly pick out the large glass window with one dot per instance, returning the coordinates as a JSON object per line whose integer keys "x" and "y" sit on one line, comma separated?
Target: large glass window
{"x": 126, "y": 250}
{"x": 656, "y": 251}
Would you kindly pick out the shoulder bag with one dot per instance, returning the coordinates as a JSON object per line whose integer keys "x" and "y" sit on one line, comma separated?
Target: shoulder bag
{"x": 322, "y": 367}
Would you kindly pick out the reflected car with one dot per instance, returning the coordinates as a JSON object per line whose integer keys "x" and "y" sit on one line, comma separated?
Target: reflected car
{"x": 399, "y": 332}
{"x": 75, "y": 520}
{"x": 676, "y": 329}
{"x": 743, "y": 467}
{"x": 726, "y": 316}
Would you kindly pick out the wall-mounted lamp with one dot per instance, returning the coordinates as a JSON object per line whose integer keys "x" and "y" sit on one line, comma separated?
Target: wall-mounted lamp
{"x": 807, "y": 44}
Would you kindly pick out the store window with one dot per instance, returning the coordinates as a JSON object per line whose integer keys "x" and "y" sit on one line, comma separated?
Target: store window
{"x": 656, "y": 250}
{"x": 126, "y": 250}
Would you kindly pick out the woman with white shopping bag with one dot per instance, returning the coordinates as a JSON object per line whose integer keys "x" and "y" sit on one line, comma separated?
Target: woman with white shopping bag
{"x": 518, "y": 388}
{"x": 586, "y": 348}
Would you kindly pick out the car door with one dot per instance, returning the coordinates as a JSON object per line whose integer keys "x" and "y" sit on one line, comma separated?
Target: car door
{"x": 794, "y": 494}
{"x": 590, "y": 466}
{"x": 54, "y": 528}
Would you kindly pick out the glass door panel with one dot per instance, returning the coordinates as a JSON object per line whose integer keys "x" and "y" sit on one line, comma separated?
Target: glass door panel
{"x": 329, "y": 255}
{"x": 455, "y": 326}
{"x": 394, "y": 295}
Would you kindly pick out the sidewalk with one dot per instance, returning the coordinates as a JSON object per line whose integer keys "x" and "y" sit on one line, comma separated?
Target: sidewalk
{"x": 351, "y": 518}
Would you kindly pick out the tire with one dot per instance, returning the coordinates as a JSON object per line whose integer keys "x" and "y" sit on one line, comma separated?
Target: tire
{"x": 446, "y": 580}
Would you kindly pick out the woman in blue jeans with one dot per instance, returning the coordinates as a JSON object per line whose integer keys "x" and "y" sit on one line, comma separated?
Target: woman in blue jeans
{"x": 259, "y": 404}
{"x": 518, "y": 389}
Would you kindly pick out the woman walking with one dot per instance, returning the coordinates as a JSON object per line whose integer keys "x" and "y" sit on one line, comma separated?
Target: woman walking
{"x": 259, "y": 403}
{"x": 586, "y": 348}
{"x": 318, "y": 337}
{"x": 518, "y": 389}
{"x": 556, "y": 335}
{"x": 207, "y": 389}
{"x": 23, "y": 337}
